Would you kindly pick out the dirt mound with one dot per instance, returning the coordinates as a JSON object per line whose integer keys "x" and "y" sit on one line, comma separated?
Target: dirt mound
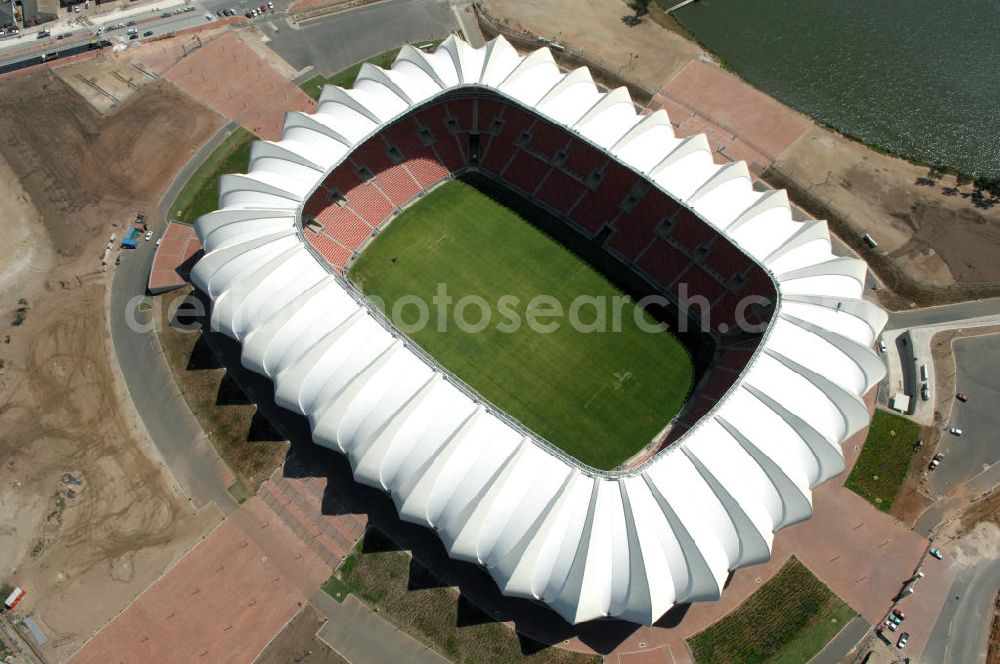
{"x": 83, "y": 551}
{"x": 73, "y": 159}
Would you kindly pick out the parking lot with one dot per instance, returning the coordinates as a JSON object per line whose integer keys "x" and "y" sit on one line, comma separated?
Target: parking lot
{"x": 978, "y": 363}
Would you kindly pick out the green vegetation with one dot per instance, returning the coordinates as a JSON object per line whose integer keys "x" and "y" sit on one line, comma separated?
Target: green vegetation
{"x": 239, "y": 491}
{"x": 242, "y": 438}
{"x": 21, "y": 312}
{"x": 434, "y": 613}
{"x": 336, "y": 588}
{"x": 60, "y": 507}
{"x": 345, "y": 79}
{"x": 884, "y": 460}
{"x": 789, "y": 619}
{"x": 201, "y": 193}
{"x": 599, "y": 395}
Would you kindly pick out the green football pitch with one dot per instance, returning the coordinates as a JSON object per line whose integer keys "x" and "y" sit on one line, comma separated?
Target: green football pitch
{"x": 597, "y": 392}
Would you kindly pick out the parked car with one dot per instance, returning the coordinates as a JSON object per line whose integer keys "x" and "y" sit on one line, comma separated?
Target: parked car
{"x": 891, "y": 625}
{"x": 149, "y": 235}
{"x": 147, "y": 33}
{"x": 955, "y": 431}
{"x": 158, "y": 241}
{"x": 132, "y": 22}
{"x": 165, "y": 15}
{"x": 936, "y": 553}
{"x": 961, "y": 396}
{"x": 134, "y": 36}
{"x": 881, "y": 345}
{"x": 935, "y": 462}
{"x": 925, "y": 392}
{"x": 899, "y": 614}
{"x": 270, "y": 5}
{"x": 903, "y": 638}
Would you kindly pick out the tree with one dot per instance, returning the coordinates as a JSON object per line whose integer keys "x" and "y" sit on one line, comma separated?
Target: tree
{"x": 641, "y": 7}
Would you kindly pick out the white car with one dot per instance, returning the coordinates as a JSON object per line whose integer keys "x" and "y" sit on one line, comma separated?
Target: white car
{"x": 158, "y": 241}
{"x": 881, "y": 345}
{"x": 149, "y": 235}
{"x": 955, "y": 431}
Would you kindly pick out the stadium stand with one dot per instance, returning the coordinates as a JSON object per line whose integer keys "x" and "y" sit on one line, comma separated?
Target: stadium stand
{"x": 667, "y": 243}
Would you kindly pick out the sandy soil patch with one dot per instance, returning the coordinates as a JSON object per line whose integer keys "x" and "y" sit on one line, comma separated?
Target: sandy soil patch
{"x": 933, "y": 231}
{"x": 298, "y": 640}
{"x": 646, "y": 53}
{"x": 106, "y": 81}
{"x": 82, "y": 556}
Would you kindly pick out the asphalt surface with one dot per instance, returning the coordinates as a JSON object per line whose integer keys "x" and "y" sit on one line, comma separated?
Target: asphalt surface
{"x": 943, "y": 314}
{"x": 171, "y": 425}
{"x": 840, "y": 645}
{"x": 961, "y": 631}
{"x": 333, "y": 45}
{"x": 361, "y": 636}
{"x": 978, "y": 448}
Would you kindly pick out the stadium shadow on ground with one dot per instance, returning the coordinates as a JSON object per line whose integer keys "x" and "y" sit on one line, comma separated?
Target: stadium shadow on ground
{"x": 536, "y": 625}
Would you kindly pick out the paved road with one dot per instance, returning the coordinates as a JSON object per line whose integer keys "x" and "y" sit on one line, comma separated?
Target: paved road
{"x": 175, "y": 431}
{"x": 838, "y": 647}
{"x": 943, "y": 314}
{"x": 361, "y": 636}
{"x": 978, "y": 363}
{"x": 332, "y": 43}
{"x": 962, "y": 628}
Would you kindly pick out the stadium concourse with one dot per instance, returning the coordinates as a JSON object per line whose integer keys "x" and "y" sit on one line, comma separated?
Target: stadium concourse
{"x": 758, "y": 433}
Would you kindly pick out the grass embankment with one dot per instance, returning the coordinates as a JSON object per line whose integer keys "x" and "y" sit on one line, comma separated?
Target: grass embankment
{"x": 884, "y": 460}
{"x": 345, "y": 79}
{"x": 599, "y": 395}
{"x": 247, "y": 443}
{"x": 201, "y": 193}
{"x": 430, "y": 611}
{"x": 789, "y": 619}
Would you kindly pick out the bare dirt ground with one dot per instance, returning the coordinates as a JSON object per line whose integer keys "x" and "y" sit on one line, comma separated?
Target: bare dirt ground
{"x": 105, "y": 81}
{"x": 647, "y": 54}
{"x": 298, "y": 642}
{"x": 63, "y": 407}
{"x": 939, "y": 240}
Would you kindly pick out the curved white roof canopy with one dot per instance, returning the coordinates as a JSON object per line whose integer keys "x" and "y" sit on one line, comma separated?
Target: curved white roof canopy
{"x": 587, "y": 544}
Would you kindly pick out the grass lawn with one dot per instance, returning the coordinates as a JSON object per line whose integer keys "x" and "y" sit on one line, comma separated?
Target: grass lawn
{"x": 601, "y": 396}
{"x": 201, "y": 193}
{"x": 884, "y": 460}
{"x": 789, "y": 619}
{"x": 336, "y": 588}
{"x": 243, "y": 439}
{"x": 434, "y": 613}
{"x": 345, "y": 79}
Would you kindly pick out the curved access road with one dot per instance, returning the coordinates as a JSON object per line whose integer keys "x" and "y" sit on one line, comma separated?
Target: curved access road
{"x": 173, "y": 428}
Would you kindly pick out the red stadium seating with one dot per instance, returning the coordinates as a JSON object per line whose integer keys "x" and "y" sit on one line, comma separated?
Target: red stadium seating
{"x": 584, "y": 159}
{"x": 397, "y": 185}
{"x": 426, "y": 172}
{"x": 461, "y": 110}
{"x": 526, "y": 172}
{"x": 370, "y": 204}
{"x": 372, "y": 154}
{"x": 636, "y": 229}
{"x": 663, "y": 263}
{"x": 560, "y": 191}
{"x": 547, "y": 139}
{"x": 343, "y": 225}
{"x": 690, "y": 231}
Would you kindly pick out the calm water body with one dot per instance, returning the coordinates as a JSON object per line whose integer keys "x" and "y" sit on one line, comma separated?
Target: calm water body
{"x": 914, "y": 77}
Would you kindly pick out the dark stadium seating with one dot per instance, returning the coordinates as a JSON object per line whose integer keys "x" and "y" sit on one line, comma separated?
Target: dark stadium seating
{"x": 560, "y": 191}
{"x": 526, "y": 172}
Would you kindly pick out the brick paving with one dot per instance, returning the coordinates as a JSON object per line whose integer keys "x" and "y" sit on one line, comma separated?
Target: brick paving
{"x": 741, "y": 122}
{"x": 173, "y": 260}
{"x": 230, "y": 78}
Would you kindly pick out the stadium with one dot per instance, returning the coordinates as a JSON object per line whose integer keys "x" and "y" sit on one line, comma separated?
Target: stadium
{"x": 729, "y": 425}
